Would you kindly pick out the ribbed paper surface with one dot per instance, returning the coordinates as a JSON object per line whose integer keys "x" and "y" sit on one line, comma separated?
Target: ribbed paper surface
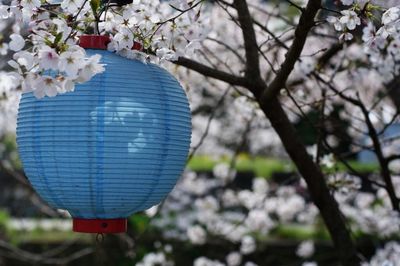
{"x": 114, "y": 146}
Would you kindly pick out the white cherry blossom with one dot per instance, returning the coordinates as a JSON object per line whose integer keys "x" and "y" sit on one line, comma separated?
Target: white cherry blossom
{"x": 17, "y": 42}
{"x": 391, "y": 15}
{"x": 197, "y": 235}
{"x": 3, "y": 48}
{"x": 328, "y": 160}
{"x": 306, "y": 249}
{"x": 71, "y": 6}
{"x": 48, "y": 58}
{"x": 30, "y": 4}
{"x": 347, "y": 2}
{"x": 259, "y": 221}
{"x": 336, "y": 23}
{"x": 309, "y": 263}
{"x": 386, "y": 30}
{"x": 260, "y": 186}
{"x": 249, "y": 263}
{"x": 153, "y": 259}
{"x": 22, "y": 59}
{"x": 67, "y": 85}
{"x": 123, "y": 39}
{"x": 203, "y": 261}
{"x": 45, "y": 86}
{"x": 234, "y": 259}
{"x": 70, "y": 62}
{"x": 91, "y": 67}
{"x": 4, "y": 14}
{"x": 248, "y": 245}
{"x": 350, "y": 19}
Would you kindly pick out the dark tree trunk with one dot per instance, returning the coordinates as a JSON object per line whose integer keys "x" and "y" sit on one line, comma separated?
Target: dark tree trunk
{"x": 393, "y": 89}
{"x": 266, "y": 96}
{"x": 118, "y": 2}
{"x": 315, "y": 180}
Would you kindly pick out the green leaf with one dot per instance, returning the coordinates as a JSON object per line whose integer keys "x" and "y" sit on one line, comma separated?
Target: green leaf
{"x": 95, "y": 5}
{"x": 58, "y": 38}
{"x": 140, "y": 222}
{"x": 48, "y": 42}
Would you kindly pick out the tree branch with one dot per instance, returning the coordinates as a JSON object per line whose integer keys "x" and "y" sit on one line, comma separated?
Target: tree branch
{"x": 230, "y": 48}
{"x": 385, "y": 172}
{"x": 394, "y": 91}
{"x": 250, "y": 41}
{"x": 211, "y": 72}
{"x": 305, "y": 24}
{"x": 276, "y": 38}
{"x": 393, "y": 158}
{"x": 315, "y": 180}
{"x": 273, "y": 110}
{"x": 327, "y": 56}
{"x": 373, "y": 134}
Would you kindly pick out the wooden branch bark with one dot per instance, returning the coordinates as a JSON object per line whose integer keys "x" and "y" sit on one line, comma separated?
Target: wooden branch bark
{"x": 373, "y": 134}
{"x": 211, "y": 72}
{"x": 306, "y": 23}
{"x": 393, "y": 88}
{"x": 384, "y": 165}
{"x": 272, "y": 108}
{"x": 266, "y": 96}
{"x": 265, "y": 28}
{"x": 393, "y": 158}
{"x": 315, "y": 180}
{"x": 250, "y": 41}
{"x": 327, "y": 56}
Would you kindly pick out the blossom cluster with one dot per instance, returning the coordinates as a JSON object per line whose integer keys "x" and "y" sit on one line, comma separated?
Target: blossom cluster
{"x": 202, "y": 209}
{"x": 47, "y": 59}
{"x": 361, "y": 69}
{"x": 161, "y": 32}
{"x": 381, "y": 44}
{"x": 388, "y": 255}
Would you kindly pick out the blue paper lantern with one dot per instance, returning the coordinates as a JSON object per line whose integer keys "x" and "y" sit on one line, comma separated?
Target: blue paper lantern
{"x": 113, "y": 147}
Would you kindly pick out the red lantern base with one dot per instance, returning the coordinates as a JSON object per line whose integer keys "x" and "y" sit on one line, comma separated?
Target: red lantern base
{"x": 99, "y": 226}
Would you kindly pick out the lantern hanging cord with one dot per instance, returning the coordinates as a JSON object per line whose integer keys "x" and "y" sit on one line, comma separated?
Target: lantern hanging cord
{"x": 100, "y": 238}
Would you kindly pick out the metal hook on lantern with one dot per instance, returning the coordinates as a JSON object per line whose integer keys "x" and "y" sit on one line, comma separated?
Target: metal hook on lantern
{"x": 100, "y": 238}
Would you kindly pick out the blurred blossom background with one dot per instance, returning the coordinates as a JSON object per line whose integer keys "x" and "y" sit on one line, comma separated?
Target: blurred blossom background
{"x": 241, "y": 199}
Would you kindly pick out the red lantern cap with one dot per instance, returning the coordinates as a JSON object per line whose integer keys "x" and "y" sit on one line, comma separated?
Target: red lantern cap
{"x": 94, "y": 41}
{"x": 100, "y": 42}
{"x": 100, "y": 226}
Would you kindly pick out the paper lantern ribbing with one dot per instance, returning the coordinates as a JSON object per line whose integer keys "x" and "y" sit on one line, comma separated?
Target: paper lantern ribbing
{"x": 113, "y": 147}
